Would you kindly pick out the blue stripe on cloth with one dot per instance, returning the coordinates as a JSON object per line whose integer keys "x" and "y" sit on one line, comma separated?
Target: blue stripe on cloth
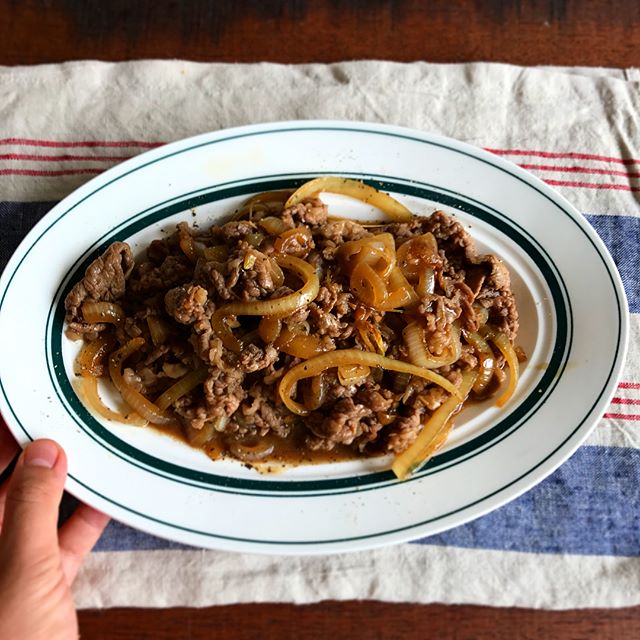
{"x": 16, "y": 220}
{"x": 621, "y": 234}
{"x": 588, "y": 506}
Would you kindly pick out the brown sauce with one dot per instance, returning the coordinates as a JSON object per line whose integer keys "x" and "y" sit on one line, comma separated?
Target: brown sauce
{"x": 287, "y": 452}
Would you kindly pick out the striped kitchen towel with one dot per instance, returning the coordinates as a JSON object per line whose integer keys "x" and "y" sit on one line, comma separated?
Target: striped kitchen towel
{"x": 572, "y": 541}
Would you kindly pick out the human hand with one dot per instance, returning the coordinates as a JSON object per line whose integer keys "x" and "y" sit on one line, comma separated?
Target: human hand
{"x": 38, "y": 562}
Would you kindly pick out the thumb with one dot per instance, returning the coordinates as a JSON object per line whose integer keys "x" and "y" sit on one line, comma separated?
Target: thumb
{"x": 33, "y": 496}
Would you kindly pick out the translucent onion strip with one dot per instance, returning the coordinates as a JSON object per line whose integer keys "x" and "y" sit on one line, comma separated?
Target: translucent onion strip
{"x": 315, "y": 392}
{"x": 273, "y": 226}
{"x": 353, "y": 374}
{"x": 345, "y": 357}
{"x": 416, "y": 254}
{"x": 131, "y": 396}
{"x": 300, "y": 346}
{"x": 278, "y": 308}
{"x": 506, "y": 349}
{"x": 368, "y": 286}
{"x": 218, "y": 253}
{"x": 159, "y": 330}
{"x": 269, "y": 329}
{"x": 402, "y": 294}
{"x": 87, "y": 390}
{"x": 183, "y": 386}
{"x": 430, "y": 438}
{"x": 102, "y": 312}
{"x": 297, "y": 242}
{"x": 414, "y": 338}
{"x": 486, "y": 358}
{"x": 90, "y": 360}
{"x": 354, "y": 189}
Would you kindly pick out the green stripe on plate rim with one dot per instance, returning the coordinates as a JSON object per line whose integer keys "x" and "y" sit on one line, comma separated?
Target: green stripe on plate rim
{"x": 449, "y": 458}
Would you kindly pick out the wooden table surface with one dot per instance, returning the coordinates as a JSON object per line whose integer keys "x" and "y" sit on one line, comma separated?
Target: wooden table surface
{"x": 561, "y": 32}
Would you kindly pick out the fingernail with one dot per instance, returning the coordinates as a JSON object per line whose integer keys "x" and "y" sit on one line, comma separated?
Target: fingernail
{"x": 41, "y": 453}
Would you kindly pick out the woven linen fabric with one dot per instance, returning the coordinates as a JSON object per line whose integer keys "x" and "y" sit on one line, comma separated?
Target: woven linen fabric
{"x": 574, "y": 539}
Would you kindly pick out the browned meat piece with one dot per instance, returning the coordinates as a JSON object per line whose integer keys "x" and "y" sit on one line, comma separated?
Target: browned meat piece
{"x": 253, "y": 358}
{"x": 312, "y": 212}
{"x": 186, "y": 303}
{"x": 258, "y": 411}
{"x": 104, "y": 280}
{"x": 405, "y": 430}
{"x": 344, "y": 423}
{"x": 223, "y": 392}
{"x": 148, "y": 279}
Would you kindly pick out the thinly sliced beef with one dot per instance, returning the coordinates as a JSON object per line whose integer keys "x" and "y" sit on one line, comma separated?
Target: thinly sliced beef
{"x": 104, "y": 280}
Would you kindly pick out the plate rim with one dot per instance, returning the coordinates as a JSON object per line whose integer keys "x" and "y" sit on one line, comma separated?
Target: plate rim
{"x": 557, "y": 199}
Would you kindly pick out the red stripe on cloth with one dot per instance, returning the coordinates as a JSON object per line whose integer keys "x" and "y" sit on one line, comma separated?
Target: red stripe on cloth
{"x": 604, "y": 172}
{"x": 621, "y": 416}
{"x": 554, "y": 154}
{"x": 29, "y": 142}
{"x": 592, "y": 185}
{"x": 47, "y": 174}
{"x": 629, "y": 385}
{"x": 625, "y": 401}
{"x": 63, "y": 158}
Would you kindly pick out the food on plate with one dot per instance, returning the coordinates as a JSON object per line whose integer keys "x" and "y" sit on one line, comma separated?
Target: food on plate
{"x": 286, "y": 333}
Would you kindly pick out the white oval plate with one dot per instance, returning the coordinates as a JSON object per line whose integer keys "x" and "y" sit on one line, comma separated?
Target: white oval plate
{"x": 558, "y": 265}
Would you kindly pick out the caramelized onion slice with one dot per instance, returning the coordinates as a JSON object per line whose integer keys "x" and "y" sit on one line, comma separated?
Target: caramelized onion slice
{"x": 416, "y": 254}
{"x": 354, "y": 189}
{"x": 315, "y": 392}
{"x": 132, "y": 396}
{"x": 186, "y": 384}
{"x": 278, "y": 308}
{"x": 353, "y": 373}
{"x": 89, "y": 362}
{"x": 159, "y": 329}
{"x": 402, "y": 294}
{"x": 430, "y": 438}
{"x": 87, "y": 390}
{"x": 273, "y": 226}
{"x": 300, "y": 346}
{"x": 378, "y": 251}
{"x": 102, "y": 312}
{"x": 414, "y": 339}
{"x": 345, "y": 357}
{"x": 506, "y": 349}
{"x": 486, "y": 358}
{"x": 368, "y": 286}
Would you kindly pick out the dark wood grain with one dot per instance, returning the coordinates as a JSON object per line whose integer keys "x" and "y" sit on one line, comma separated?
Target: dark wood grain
{"x": 360, "y": 621}
{"x": 564, "y": 32}
{"x": 567, "y": 32}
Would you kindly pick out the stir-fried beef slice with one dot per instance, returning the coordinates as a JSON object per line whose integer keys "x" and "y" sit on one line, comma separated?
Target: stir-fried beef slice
{"x": 405, "y": 430}
{"x": 312, "y": 212}
{"x": 148, "y": 279}
{"x": 259, "y": 411}
{"x": 223, "y": 392}
{"x": 104, "y": 280}
{"x": 185, "y": 304}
